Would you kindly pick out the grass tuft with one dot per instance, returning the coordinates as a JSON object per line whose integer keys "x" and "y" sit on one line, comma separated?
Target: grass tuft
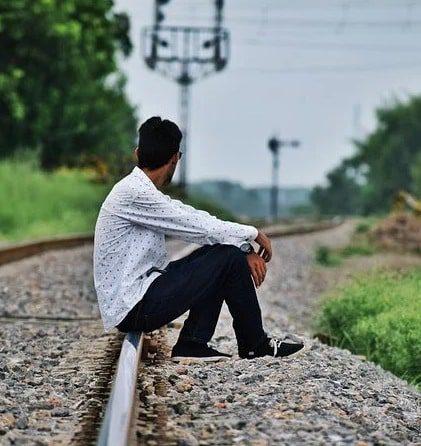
{"x": 326, "y": 257}
{"x": 378, "y": 316}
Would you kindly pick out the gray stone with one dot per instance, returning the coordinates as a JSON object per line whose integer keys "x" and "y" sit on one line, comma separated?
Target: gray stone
{"x": 60, "y": 412}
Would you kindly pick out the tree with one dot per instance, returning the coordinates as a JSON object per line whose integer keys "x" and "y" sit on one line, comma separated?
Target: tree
{"x": 385, "y": 162}
{"x": 390, "y": 151}
{"x": 341, "y": 195}
{"x": 57, "y": 61}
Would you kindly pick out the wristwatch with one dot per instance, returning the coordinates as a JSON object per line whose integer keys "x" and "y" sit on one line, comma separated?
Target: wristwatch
{"x": 247, "y": 248}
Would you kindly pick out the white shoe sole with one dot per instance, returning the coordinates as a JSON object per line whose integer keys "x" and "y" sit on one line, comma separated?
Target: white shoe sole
{"x": 198, "y": 359}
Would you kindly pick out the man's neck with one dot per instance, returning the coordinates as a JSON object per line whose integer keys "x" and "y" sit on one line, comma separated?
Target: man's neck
{"x": 155, "y": 176}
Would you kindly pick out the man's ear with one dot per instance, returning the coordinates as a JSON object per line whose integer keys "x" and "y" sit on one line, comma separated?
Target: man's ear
{"x": 174, "y": 158}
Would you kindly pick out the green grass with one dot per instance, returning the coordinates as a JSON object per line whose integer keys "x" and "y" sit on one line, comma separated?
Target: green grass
{"x": 360, "y": 245}
{"x": 36, "y": 204}
{"x": 366, "y": 224}
{"x": 325, "y": 256}
{"x": 379, "y": 316}
{"x": 357, "y": 249}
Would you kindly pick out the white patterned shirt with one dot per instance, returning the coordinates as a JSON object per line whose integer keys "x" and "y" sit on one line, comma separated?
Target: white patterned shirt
{"x": 130, "y": 235}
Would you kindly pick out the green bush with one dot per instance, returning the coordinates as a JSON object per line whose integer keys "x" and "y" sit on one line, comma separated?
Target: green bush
{"x": 324, "y": 256}
{"x": 379, "y": 316}
{"x": 362, "y": 228}
{"x": 366, "y": 224}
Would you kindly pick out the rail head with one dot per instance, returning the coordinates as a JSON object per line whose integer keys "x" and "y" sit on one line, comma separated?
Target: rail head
{"x": 115, "y": 427}
{"x": 18, "y": 251}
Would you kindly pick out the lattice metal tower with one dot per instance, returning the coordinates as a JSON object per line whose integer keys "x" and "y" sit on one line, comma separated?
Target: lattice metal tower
{"x": 185, "y": 54}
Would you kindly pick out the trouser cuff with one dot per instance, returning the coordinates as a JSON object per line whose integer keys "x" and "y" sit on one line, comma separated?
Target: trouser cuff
{"x": 253, "y": 346}
{"x": 191, "y": 339}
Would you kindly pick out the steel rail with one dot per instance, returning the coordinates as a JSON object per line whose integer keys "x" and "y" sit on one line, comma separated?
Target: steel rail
{"x": 115, "y": 427}
{"x": 18, "y": 251}
{"x": 40, "y": 318}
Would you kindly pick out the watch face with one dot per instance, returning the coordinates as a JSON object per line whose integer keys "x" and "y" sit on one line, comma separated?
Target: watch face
{"x": 245, "y": 247}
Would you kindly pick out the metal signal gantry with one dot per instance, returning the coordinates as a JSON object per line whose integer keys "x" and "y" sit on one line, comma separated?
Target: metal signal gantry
{"x": 274, "y": 145}
{"x": 185, "y": 54}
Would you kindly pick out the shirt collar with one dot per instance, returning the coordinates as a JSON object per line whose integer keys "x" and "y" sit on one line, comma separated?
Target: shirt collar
{"x": 138, "y": 172}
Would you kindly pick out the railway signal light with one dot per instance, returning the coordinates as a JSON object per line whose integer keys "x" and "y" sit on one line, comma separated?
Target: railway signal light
{"x": 274, "y": 145}
{"x": 159, "y": 15}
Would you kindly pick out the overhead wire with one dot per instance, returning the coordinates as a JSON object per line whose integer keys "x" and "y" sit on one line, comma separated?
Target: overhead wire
{"x": 265, "y": 22}
{"x": 337, "y": 69}
{"x": 311, "y": 46}
{"x": 293, "y": 22}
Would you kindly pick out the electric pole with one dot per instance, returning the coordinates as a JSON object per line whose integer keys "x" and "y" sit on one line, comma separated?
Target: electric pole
{"x": 274, "y": 145}
{"x": 185, "y": 54}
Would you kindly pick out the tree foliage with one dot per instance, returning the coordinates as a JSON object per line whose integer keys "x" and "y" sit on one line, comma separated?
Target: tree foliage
{"x": 387, "y": 161}
{"x": 60, "y": 89}
{"x": 416, "y": 175}
{"x": 340, "y": 196}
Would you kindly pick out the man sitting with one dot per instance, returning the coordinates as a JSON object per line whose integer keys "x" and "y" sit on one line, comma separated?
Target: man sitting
{"x": 139, "y": 289}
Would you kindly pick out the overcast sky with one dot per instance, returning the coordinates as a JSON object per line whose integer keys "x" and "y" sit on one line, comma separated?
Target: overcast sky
{"x": 314, "y": 70}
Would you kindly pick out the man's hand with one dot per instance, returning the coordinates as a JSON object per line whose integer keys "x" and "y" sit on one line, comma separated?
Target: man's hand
{"x": 265, "y": 249}
{"x": 257, "y": 268}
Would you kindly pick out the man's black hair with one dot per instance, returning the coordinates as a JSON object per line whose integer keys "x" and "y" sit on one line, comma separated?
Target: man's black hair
{"x": 158, "y": 141}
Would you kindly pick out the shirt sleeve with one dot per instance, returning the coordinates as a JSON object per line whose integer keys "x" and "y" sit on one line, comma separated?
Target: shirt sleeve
{"x": 154, "y": 210}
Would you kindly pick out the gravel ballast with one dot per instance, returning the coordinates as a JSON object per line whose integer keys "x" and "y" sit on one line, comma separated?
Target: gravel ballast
{"x": 323, "y": 396}
{"x": 50, "y": 370}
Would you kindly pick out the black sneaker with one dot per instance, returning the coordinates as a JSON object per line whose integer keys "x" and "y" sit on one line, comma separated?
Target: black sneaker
{"x": 193, "y": 351}
{"x": 276, "y": 348}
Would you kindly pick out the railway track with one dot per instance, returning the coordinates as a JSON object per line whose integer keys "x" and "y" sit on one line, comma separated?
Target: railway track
{"x": 117, "y": 412}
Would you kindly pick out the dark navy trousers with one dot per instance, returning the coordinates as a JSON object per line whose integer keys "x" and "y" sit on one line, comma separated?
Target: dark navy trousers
{"x": 200, "y": 282}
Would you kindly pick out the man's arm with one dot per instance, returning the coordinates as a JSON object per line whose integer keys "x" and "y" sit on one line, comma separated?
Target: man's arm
{"x": 154, "y": 210}
{"x": 265, "y": 250}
